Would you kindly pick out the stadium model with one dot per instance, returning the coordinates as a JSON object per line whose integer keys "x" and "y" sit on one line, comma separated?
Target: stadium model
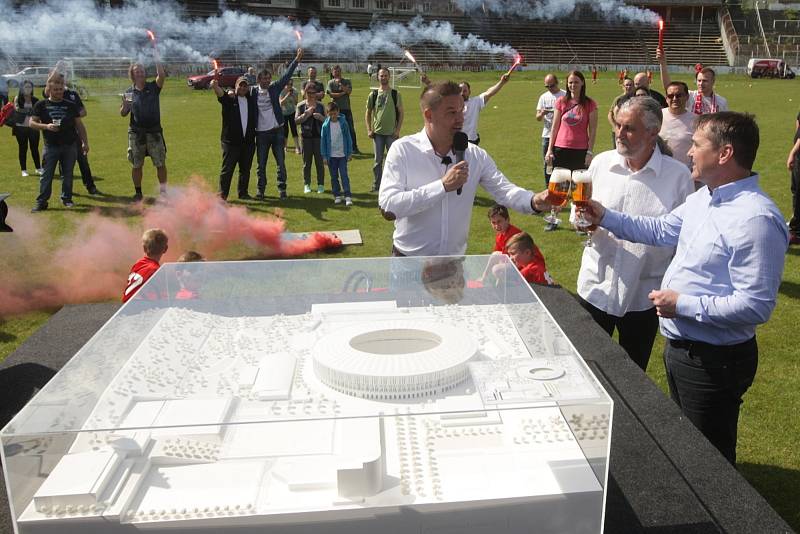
{"x": 266, "y": 406}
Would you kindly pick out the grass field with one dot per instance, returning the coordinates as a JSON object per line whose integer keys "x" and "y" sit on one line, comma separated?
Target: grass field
{"x": 767, "y": 439}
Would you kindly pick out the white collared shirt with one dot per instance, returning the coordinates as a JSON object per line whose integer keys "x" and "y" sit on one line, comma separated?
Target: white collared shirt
{"x": 243, "y": 109}
{"x": 431, "y": 221}
{"x": 616, "y": 275}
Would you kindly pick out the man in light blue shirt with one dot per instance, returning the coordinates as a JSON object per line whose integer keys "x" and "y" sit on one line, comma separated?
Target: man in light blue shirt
{"x": 723, "y": 280}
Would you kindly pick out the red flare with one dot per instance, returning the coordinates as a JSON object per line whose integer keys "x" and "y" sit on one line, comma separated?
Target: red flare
{"x": 151, "y": 35}
{"x": 410, "y": 57}
{"x": 517, "y": 62}
{"x": 661, "y": 34}
{"x": 215, "y": 63}
{"x": 298, "y": 35}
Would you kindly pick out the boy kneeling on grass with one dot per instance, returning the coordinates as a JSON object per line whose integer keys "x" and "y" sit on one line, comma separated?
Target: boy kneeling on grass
{"x": 528, "y": 259}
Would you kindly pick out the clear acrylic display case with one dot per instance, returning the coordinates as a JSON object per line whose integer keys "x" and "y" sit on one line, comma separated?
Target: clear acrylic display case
{"x": 399, "y": 394}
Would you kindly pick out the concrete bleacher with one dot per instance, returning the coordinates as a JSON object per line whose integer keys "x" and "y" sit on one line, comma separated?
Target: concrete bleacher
{"x": 782, "y": 35}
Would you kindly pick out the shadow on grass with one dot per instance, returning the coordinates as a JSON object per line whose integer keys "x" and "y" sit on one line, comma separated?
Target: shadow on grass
{"x": 778, "y": 485}
{"x": 790, "y": 289}
{"x": 18, "y": 384}
{"x": 5, "y": 337}
{"x": 793, "y": 251}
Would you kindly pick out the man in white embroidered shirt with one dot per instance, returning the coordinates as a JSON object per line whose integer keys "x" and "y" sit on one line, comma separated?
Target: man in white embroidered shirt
{"x": 724, "y": 278}
{"x": 615, "y": 275}
{"x": 421, "y": 181}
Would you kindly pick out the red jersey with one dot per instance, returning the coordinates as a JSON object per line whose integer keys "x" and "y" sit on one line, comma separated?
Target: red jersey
{"x": 500, "y": 240}
{"x": 536, "y": 271}
{"x": 141, "y": 272}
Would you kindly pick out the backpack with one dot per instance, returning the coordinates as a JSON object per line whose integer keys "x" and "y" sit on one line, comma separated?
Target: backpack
{"x": 373, "y": 95}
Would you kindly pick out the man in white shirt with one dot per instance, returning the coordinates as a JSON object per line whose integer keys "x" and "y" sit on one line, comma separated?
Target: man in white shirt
{"x": 544, "y": 113}
{"x": 702, "y": 101}
{"x": 615, "y": 275}
{"x": 473, "y": 106}
{"x": 678, "y": 124}
{"x": 421, "y": 183}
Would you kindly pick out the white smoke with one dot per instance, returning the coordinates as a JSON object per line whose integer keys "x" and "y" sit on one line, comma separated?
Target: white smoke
{"x": 611, "y": 10}
{"x": 81, "y": 28}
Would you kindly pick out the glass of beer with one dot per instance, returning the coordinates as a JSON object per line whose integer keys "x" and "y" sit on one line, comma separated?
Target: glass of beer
{"x": 558, "y": 189}
{"x": 581, "y": 193}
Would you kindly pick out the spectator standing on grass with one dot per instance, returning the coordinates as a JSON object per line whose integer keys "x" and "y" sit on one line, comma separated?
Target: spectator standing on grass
{"x": 628, "y": 90}
{"x": 288, "y": 99}
{"x": 384, "y": 118}
{"x": 269, "y": 127}
{"x": 337, "y": 149}
{"x": 793, "y": 163}
{"x": 677, "y": 127}
{"x": 60, "y": 121}
{"x": 312, "y": 81}
{"x": 145, "y": 135}
{"x": 238, "y": 136}
{"x": 642, "y": 81}
{"x": 616, "y": 276}
{"x": 474, "y": 106}
{"x": 310, "y": 115}
{"x": 704, "y": 99}
{"x": 544, "y": 113}
{"x": 340, "y": 88}
{"x": 22, "y": 131}
{"x": 723, "y": 280}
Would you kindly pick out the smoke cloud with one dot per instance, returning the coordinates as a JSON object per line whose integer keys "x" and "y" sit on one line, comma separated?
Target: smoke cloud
{"x": 611, "y": 10}
{"x": 81, "y": 28}
{"x": 92, "y": 263}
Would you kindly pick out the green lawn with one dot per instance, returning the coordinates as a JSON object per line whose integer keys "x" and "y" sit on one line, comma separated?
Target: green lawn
{"x": 767, "y": 444}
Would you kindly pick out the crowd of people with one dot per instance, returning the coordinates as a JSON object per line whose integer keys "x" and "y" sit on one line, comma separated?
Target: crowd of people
{"x": 685, "y": 239}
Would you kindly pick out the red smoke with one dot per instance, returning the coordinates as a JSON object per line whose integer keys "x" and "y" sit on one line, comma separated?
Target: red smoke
{"x": 92, "y": 263}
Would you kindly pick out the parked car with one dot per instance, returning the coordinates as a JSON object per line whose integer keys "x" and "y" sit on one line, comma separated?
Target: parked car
{"x": 227, "y": 78}
{"x": 37, "y": 76}
{"x": 769, "y": 68}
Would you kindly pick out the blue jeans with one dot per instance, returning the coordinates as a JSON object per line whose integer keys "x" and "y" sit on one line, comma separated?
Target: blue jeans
{"x": 545, "y": 144}
{"x": 52, "y": 156}
{"x": 382, "y": 142}
{"x": 338, "y": 166}
{"x": 264, "y": 141}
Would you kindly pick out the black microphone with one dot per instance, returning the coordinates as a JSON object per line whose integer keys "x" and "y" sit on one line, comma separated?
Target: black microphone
{"x": 460, "y": 143}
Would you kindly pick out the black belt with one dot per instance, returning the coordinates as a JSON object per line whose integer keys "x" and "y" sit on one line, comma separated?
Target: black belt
{"x": 271, "y": 130}
{"x": 688, "y": 344}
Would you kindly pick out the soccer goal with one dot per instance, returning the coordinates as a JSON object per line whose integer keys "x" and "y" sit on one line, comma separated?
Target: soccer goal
{"x": 405, "y": 77}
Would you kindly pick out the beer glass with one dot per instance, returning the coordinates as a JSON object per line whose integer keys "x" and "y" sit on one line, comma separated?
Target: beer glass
{"x": 558, "y": 188}
{"x": 581, "y": 194}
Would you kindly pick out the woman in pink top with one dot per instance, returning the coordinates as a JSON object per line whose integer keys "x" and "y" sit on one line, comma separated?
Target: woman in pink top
{"x": 574, "y": 126}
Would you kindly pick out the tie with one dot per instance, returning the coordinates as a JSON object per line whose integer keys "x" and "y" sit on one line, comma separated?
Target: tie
{"x": 446, "y": 160}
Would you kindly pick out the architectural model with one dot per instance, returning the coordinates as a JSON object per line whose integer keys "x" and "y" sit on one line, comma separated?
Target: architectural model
{"x": 272, "y": 421}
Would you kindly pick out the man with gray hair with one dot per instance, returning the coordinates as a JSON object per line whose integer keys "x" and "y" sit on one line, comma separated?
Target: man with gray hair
{"x": 616, "y": 276}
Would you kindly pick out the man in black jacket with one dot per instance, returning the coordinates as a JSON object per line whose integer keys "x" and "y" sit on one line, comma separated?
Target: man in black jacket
{"x": 239, "y": 116}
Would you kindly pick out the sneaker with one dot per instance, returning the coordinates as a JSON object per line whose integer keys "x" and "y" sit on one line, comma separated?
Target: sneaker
{"x": 40, "y": 171}
{"x": 94, "y": 191}
{"x": 348, "y": 201}
{"x": 794, "y": 239}
{"x": 25, "y": 174}
{"x": 550, "y": 227}
{"x": 297, "y": 150}
{"x": 306, "y": 189}
{"x": 138, "y": 197}
{"x": 337, "y": 200}
{"x": 68, "y": 203}
{"x": 260, "y": 196}
{"x": 38, "y": 207}
{"x": 320, "y": 189}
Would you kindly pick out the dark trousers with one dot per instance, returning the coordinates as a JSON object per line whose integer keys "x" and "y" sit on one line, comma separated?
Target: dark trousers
{"x": 794, "y": 223}
{"x": 54, "y": 155}
{"x": 233, "y": 155}
{"x": 272, "y": 139}
{"x": 569, "y": 158}
{"x": 28, "y": 137}
{"x": 707, "y": 382}
{"x": 86, "y": 171}
{"x": 289, "y": 124}
{"x": 637, "y": 330}
{"x": 348, "y": 114}
{"x": 312, "y": 151}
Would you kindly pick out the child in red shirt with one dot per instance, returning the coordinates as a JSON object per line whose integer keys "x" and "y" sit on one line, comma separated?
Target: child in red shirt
{"x": 154, "y": 243}
{"x": 501, "y": 224}
{"x": 187, "y": 278}
{"x": 528, "y": 259}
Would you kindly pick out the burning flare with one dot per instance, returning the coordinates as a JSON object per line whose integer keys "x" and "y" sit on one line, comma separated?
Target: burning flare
{"x": 151, "y": 35}
{"x": 517, "y": 61}
{"x": 410, "y": 57}
{"x": 661, "y": 34}
{"x": 298, "y": 35}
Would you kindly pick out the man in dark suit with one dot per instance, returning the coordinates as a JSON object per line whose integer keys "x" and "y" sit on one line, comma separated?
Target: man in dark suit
{"x": 239, "y": 117}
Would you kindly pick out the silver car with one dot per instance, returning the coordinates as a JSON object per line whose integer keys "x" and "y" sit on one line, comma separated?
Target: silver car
{"x": 37, "y": 75}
